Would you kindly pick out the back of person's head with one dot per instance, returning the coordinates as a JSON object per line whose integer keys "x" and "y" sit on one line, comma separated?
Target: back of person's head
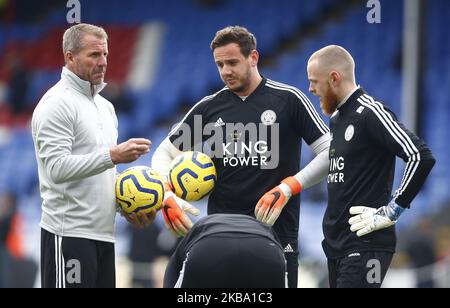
{"x": 72, "y": 38}
{"x": 235, "y": 34}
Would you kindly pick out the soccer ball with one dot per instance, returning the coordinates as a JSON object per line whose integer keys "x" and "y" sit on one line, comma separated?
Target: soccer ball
{"x": 139, "y": 188}
{"x": 192, "y": 175}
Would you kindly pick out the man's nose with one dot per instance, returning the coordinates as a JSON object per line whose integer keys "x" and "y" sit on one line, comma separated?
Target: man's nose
{"x": 226, "y": 70}
{"x": 103, "y": 61}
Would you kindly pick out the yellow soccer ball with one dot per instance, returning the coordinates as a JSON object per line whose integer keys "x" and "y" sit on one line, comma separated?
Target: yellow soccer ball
{"x": 139, "y": 188}
{"x": 192, "y": 175}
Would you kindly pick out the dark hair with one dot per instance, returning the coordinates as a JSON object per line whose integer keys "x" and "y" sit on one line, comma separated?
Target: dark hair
{"x": 235, "y": 34}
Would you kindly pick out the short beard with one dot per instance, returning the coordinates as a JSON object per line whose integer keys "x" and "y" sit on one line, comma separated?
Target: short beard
{"x": 245, "y": 83}
{"x": 329, "y": 104}
{"x": 239, "y": 89}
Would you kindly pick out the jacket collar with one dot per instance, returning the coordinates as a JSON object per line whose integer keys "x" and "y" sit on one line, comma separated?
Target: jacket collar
{"x": 79, "y": 84}
{"x": 347, "y": 97}
{"x": 352, "y": 98}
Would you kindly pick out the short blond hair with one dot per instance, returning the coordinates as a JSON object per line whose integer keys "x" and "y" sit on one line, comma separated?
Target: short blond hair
{"x": 334, "y": 57}
{"x": 73, "y": 36}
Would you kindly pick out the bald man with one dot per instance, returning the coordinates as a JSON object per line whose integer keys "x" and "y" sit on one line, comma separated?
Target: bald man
{"x": 359, "y": 221}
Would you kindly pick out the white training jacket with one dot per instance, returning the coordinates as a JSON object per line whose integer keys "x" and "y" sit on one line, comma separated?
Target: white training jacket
{"x": 73, "y": 132}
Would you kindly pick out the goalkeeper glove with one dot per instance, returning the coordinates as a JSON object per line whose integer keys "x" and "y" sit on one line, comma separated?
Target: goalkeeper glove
{"x": 174, "y": 210}
{"x": 367, "y": 219}
{"x": 270, "y": 205}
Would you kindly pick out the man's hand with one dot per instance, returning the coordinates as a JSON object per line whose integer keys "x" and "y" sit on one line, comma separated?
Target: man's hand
{"x": 139, "y": 219}
{"x": 173, "y": 210}
{"x": 130, "y": 150}
{"x": 367, "y": 219}
{"x": 269, "y": 207}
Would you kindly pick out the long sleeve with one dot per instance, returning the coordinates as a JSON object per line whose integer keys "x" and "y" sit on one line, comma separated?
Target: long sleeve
{"x": 163, "y": 156}
{"x": 73, "y": 132}
{"x": 53, "y": 130}
{"x": 391, "y": 134}
{"x": 317, "y": 169}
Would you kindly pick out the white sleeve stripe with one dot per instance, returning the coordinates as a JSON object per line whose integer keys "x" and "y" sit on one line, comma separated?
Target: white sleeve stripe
{"x": 305, "y": 101}
{"x": 410, "y": 170}
{"x": 378, "y": 104}
{"x": 408, "y": 178}
{"x": 203, "y": 100}
{"x": 405, "y": 173}
{"x": 389, "y": 127}
{"x": 310, "y": 109}
{"x": 314, "y": 110}
{"x": 311, "y": 114}
{"x": 179, "y": 282}
{"x": 396, "y": 132}
{"x": 393, "y": 129}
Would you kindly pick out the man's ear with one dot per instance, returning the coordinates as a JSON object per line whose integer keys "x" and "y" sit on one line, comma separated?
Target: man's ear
{"x": 335, "y": 78}
{"x": 254, "y": 57}
{"x": 69, "y": 58}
